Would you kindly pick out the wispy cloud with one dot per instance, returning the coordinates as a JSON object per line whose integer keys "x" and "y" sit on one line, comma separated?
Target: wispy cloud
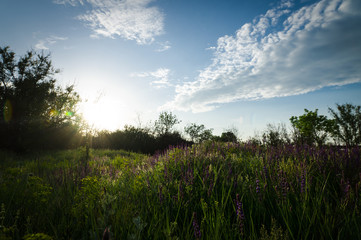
{"x": 70, "y": 2}
{"x": 160, "y": 77}
{"x": 163, "y": 46}
{"x": 44, "y": 44}
{"x": 128, "y": 19}
{"x": 280, "y": 53}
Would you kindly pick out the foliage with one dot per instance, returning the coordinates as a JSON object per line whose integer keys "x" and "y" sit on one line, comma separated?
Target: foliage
{"x": 32, "y": 105}
{"x": 311, "y": 128}
{"x": 37, "y": 236}
{"x": 198, "y": 133}
{"x": 211, "y": 190}
{"x": 276, "y": 135}
{"x": 137, "y": 140}
{"x": 276, "y": 232}
{"x": 347, "y": 124}
{"x": 227, "y": 136}
{"x": 165, "y": 123}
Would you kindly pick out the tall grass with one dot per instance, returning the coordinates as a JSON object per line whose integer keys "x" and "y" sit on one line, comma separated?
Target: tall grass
{"x": 207, "y": 191}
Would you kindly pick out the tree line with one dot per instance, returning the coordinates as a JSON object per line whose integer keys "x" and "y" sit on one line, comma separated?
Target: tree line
{"x": 39, "y": 115}
{"x": 311, "y": 128}
{"x": 158, "y": 137}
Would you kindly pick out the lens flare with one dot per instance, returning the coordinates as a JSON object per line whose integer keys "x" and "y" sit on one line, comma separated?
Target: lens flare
{"x": 69, "y": 114}
{"x": 54, "y": 113}
{"x": 8, "y": 111}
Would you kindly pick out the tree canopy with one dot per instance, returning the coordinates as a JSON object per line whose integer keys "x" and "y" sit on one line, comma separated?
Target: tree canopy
{"x": 36, "y": 112}
{"x": 347, "y": 124}
{"x": 198, "y": 133}
{"x": 311, "y": 128}
{"x": 165, "y": 123}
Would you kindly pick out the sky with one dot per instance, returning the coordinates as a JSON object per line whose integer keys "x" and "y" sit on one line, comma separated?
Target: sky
{"x": 222, "y": 63}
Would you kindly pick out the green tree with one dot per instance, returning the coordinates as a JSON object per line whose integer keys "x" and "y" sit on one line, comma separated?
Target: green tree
{"x": 275, "y": 135}
{"x": 311, "y": 128}
{"x": 228, "y": 136}
{"x": 347, "y": 126}
{"x": 198, "y": 133}
{"x": 165, "y": 123}
{"x": 36, "y": 112}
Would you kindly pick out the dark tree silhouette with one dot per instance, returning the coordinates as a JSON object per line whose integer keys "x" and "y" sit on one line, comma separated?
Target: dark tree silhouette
{"x": 36, "y": 113}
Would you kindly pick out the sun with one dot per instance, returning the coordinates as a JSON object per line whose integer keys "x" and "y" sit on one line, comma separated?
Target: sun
{"x": 102, "y": 114}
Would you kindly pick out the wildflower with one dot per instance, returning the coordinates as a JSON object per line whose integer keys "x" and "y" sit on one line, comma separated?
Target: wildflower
{"x": 240, "y": 215}
{"x": 197, "y": 231}
{"x": 257, "y": 186}
{"x": 265, "y": 171}
{"x": 285, "y": 187}
{"x": 303, "y": 182}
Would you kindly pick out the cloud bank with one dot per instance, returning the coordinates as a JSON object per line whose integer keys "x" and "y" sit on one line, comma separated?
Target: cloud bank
{"x": 281, "y": 53}
{"x": 127, "y": 19}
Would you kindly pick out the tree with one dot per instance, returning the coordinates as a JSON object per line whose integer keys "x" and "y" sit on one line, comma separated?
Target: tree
{"x": 37, "y": 113}
{"x": 165, "y": 123}
{"x": 206, "y": 135}
{"x": 276, "y": 135}
{"x": 347, "y": 126}
{"x": 228, "y": 136}
{"x": 198, "y": 133}
{"x": 311, "y": 128}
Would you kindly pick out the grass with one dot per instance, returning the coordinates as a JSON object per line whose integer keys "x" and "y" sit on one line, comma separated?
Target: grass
{"x": 207, "y": 191}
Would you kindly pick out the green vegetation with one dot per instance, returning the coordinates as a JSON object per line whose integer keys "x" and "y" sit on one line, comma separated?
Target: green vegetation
{"x": 207, "y": 191}
{"x": 347, "y": 128}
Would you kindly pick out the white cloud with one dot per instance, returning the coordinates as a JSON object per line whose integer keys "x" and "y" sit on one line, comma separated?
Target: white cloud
{"x": 163, "y": 46}
{"x": 281, "y": 53}
{"x": 128, "y": 19}
{"x": 160, "y": 77}
{"x": 44, "y": 44}
{"x": 70, "y": 2}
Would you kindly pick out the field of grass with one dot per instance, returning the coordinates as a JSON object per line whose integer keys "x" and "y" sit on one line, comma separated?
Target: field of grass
{"x": 207, "y": 191}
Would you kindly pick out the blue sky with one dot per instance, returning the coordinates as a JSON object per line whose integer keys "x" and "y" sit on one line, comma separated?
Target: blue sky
{"x": 221, "y": 63}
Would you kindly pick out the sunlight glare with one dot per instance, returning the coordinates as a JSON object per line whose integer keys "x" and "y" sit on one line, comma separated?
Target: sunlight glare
{"x": 103, "y": 114}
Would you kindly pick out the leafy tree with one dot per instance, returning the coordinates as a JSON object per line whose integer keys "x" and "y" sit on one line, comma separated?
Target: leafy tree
{"x": 206, "y": 135}
{"x": 228, "y": 136}
{"x": 37, "y": 113}
{"x": 276, "y": 135}
{"x": 165, "y": 123}
{"x": 311, "y": 128}
{"x": 347, "y": 126}
{"x": 198, "y": 133}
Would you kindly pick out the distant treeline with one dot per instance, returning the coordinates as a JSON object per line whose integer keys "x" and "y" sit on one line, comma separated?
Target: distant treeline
{"x": 144, "y": 140}
{"x": 36, "y": 114}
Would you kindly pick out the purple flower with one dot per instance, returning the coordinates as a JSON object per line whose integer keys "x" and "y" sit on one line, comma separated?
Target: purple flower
{"x": 240, "y": 214}
{"x": 257, "y": 186}
{"x": 303, "y": 181}
{"x": 265, "y": 171}
{"x": 197, "y": 231}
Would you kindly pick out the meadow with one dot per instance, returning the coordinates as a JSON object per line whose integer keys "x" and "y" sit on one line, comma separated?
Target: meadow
{"x": 206, "y": 191}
